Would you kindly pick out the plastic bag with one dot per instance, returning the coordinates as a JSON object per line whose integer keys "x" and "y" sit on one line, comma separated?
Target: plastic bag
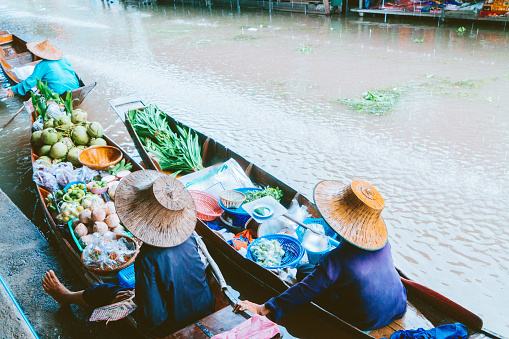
{"x": 40, "y": 165}
{"x": 227, "y": 177}
{"x": 54, "y": 111}
{"x": 38, "y": 124}
{"x": 85, "y": 174}
{"x": 64, "y": 175}
{"x": 45, "y": 179}
{"x": 106, "y": 252}
{"x": 68, "y": 211}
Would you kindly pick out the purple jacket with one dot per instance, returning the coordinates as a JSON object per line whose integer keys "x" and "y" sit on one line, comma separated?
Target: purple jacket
{"x": 365, "y": 288}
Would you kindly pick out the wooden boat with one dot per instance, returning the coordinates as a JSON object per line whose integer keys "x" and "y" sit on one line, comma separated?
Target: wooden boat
{"x": 14, "y": 56}
{"x": 426, "y": 308}
{"x": 221, "y": 320}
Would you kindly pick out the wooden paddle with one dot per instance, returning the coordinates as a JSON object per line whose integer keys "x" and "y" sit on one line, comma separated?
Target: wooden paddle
{"x": 445, "y": 304}
{"x": 17, "y": 113}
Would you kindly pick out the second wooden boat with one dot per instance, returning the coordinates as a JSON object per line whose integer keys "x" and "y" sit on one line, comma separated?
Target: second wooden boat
{"x": 18, "y": 63}
{"x": 426, "y": 308}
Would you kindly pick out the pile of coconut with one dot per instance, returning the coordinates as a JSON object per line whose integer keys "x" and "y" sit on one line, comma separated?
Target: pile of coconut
{"x": 97, "y": 219}
{"x": 65, "y": 137}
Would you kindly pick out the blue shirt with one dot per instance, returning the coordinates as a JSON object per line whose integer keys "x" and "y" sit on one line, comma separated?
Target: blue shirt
{"x": 58, "y": 74}
{"x": 171, "y": 287}
{"x": 365, "y": 288}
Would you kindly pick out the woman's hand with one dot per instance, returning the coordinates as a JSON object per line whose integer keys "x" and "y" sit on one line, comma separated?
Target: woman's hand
{"x": 122, "y": 295}
{"x": 10, "y": 93}
{"x": 246, "y": 305}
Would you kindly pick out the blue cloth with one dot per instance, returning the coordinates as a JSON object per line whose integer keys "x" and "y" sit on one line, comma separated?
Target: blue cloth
{"x": 58, "y": 74}
{"x": 449, "y": 331}
{"x": 171, "y": 287}
{"x": 361, "y": 287}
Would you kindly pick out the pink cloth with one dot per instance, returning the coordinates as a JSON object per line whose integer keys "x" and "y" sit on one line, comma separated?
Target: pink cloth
{"x": 256, "y": 327}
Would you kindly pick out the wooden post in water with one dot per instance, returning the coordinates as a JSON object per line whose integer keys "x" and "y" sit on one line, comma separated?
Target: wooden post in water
{"x": 327, "y": 7}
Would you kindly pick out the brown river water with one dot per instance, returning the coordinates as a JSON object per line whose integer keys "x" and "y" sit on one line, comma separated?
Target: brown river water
{"x": 265, "y": 85}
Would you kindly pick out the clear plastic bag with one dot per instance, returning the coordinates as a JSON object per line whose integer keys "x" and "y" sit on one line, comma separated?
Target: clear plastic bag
{"x": 105, "y": 252}
{"x": 85, "y": 174}
{"x": 42, "y": 166}
{"x": 64, "y": 173}
{"x": 45, "y": 179}
{"x": 227, "y": 177}
{"x": 38, "y": 124}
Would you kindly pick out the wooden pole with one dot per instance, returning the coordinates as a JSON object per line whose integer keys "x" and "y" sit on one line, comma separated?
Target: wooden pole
{"x": 327, "y": 7}
{"x": 12, "y": 118}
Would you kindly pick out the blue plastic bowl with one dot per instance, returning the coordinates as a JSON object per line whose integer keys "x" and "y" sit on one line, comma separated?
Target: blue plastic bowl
{"x": 127, "y": 277}
{"x": 238, "y": 215}
{"x": 292, "y": 247}
{"x": 75, "y": 182}
{"x": 328, "y": 230}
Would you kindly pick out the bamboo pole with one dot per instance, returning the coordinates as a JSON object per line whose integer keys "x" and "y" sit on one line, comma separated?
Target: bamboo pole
{"x": 327, "y": 7}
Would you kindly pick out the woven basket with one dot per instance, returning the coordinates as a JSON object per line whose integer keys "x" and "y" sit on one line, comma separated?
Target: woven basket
{"x": 232, "y": 199}
{"x": 207, "y": 208}
{"x": 100, "y": 158}
{"x": 292, "y": 247}
{"x": 116, "y": 269}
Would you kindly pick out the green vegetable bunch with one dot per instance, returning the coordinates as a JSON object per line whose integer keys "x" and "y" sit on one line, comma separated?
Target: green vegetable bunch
{"x": 176, "y": 151}
{"x": 276, "y": 193}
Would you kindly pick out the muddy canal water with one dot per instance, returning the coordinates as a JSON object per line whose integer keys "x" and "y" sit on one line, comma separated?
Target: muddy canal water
{"x": 266, "y": 85}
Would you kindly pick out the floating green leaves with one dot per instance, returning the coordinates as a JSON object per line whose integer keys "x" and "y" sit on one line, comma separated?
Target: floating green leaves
{"x": 304, "y": 49}
{"x": 460, "y": 30}
{"x": 419, "y": 41}
{"x": 377, "y": 102}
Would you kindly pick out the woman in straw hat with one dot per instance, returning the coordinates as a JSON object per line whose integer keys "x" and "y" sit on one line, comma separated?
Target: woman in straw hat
{"x": 357, "y": 281}
{"x": 53, "y": 69}
{"x": 171, "y": 286}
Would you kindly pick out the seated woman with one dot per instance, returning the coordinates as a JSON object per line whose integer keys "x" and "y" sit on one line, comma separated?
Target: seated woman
{"x": 53, "y": 69}
{"x": 357, "y": 281}
{"x": 171, "y": 286}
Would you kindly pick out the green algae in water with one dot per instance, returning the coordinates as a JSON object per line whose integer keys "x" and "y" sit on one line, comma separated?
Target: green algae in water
{"x": 376, "y": 102}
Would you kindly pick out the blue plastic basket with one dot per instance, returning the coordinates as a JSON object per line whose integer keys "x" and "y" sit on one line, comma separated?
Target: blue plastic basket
{"x": 75, "y": 182}
{"x": 328, "y": 230}
{"x": 292, "y": 247}
{"x": 127, "y": 277}
{"x": 75, "y": 238}
{"x": 238, "y": 215}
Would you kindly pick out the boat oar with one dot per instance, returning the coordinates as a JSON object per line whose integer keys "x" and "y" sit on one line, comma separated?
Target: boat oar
{"x": 455, "y": 310}
{"x": 15, "y": 115}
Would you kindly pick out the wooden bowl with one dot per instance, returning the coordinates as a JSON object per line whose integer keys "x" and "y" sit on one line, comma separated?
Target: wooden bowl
{"x": 113, "y": 270}
{"x": 100, "y": 158}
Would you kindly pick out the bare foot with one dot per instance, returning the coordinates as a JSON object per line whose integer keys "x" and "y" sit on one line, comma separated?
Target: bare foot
{"x": 55, "y": 289}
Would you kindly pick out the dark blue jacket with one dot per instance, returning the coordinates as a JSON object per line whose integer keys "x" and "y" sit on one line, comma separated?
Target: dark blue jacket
{"x": 171, "y": 287}
{"x": 365, "y": 288}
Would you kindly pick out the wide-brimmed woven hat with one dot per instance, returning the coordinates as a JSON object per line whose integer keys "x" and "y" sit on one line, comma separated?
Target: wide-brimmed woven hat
{"x": 353, "y": 211}
{"x": 45, "y": 50}
{"x": 156, "y": 208}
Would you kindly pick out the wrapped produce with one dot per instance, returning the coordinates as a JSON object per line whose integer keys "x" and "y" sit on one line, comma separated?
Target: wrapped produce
{"x": 108, "y": 253}
{"x": 87, "y": 239}
{"x": 90, "y": 199}
{"x": 68, "y": 211}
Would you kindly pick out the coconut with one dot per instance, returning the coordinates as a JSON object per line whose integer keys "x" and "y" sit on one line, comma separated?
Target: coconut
{"x": 100, "y": 227}
{"x": 35, "y": 139}
{"x": 79, "y": 135}
{"x": 49, "y": 136}
{"x": 117, "y": 230}
{"x": 73, "y": 156}
{"x": 48, "y": 124}
{"x": 112, "y": 220}
{"x": 58, "y": 150}
{"x": 109, "y": 208}
{"x": 97, "y": 142}
{"x": 95, "y": 130}
{"x": 98, "y": 214}
{"x": 67, "y": 141}
{"x": 82, "y": 147}
{"x": 75, "y": 222}
{"x": 45, "y": 159}
{"x": 62, "y": 122}
{"x": 44, "y": 150}
{"x": 78, "y": 116}
{"x": 81, "y": 230}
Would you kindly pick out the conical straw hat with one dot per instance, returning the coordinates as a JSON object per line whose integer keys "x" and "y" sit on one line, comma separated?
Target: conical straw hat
{"x": 353, "y": 211}
{"x": 156, "y": 208}
{"x": 45, "y": 50}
